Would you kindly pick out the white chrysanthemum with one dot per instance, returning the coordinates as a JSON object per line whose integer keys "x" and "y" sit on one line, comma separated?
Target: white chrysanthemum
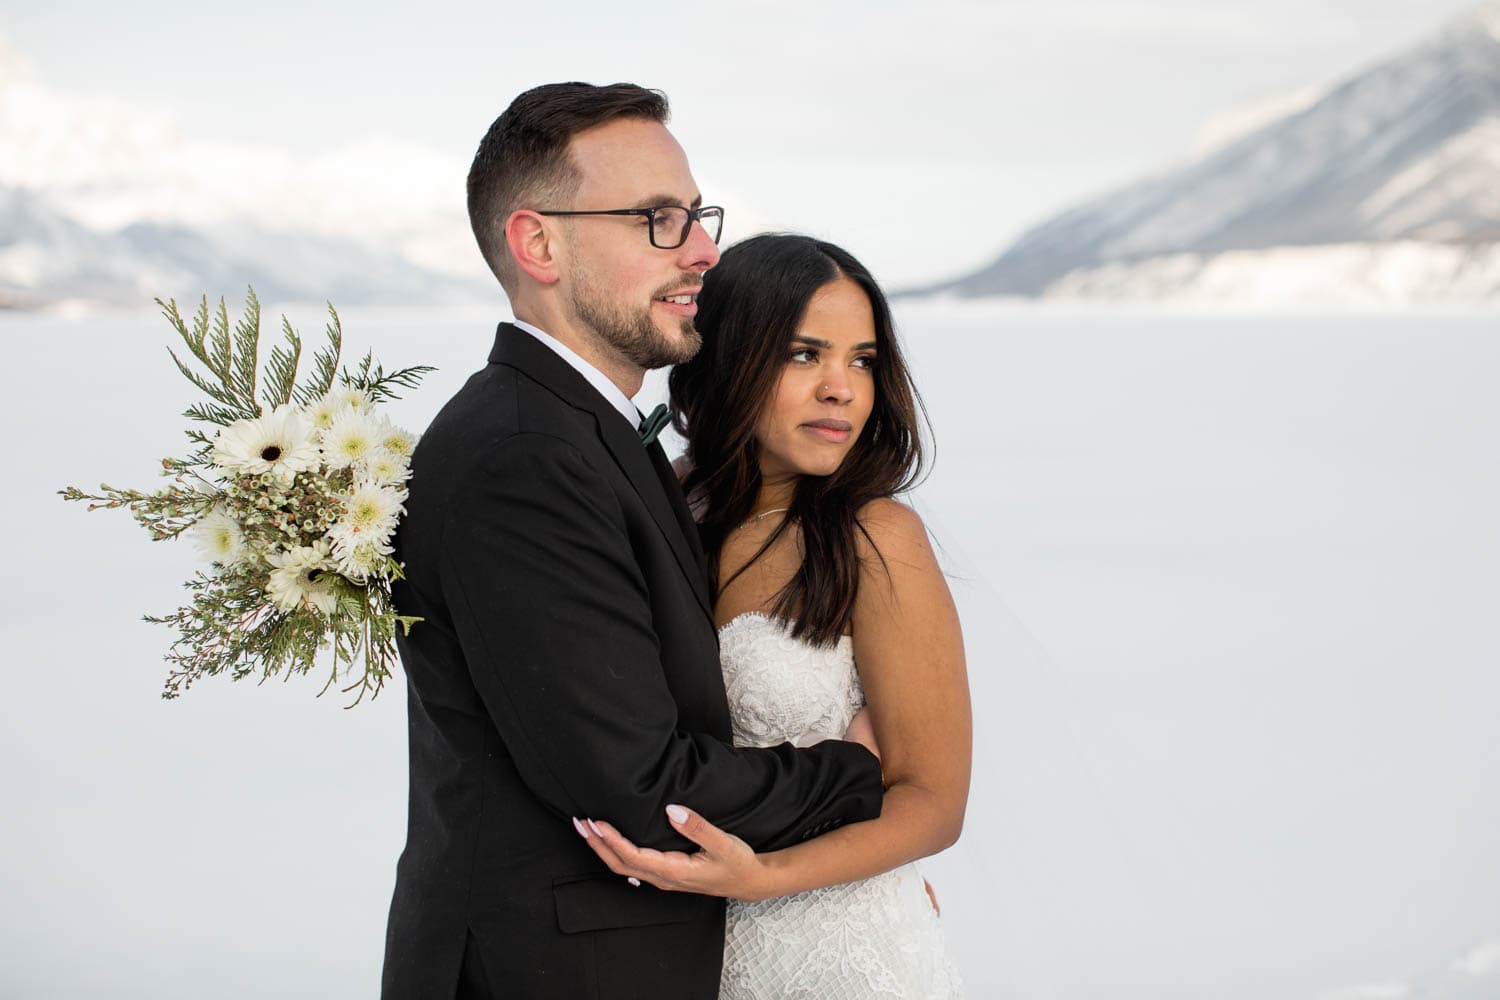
{"x": 279, "y": 443}
{"x": 385, "y": 469}
{"x": 370, "y": 514}
{"x": 219, "y": 538}
{"x": 324, "y": 410}
{"x": 355, "y": 399}
{"x": 357, "y": 560}
{"x": 397, "y": 441}
{"x": 302, "y": 577}
{"x": 353, "y": 438}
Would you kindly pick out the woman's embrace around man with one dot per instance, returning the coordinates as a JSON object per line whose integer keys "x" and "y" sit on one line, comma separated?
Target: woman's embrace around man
{"x": 581, "y": 620}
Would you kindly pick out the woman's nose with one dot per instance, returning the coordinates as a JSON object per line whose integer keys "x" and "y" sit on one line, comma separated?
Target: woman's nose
{"x": 835, "y": 388}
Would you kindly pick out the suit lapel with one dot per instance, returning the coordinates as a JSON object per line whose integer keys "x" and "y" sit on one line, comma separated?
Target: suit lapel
{"x": 522, "y": 351}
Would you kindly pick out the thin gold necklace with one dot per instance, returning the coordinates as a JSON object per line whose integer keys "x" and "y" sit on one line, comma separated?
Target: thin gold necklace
{"x": 757, "y": 518}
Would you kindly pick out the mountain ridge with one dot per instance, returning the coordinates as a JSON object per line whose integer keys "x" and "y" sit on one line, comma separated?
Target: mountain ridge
{"x": 1403, "y": 151}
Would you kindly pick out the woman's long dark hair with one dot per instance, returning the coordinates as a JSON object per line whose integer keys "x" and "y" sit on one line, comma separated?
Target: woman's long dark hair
{"x": 749, "y": 309}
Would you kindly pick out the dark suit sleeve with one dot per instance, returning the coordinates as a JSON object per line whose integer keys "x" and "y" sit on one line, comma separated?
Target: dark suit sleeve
{"x": 552, "y": 613}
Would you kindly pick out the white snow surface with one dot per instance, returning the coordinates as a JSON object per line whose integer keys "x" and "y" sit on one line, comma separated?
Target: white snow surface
{"x": 1228, "y": 586}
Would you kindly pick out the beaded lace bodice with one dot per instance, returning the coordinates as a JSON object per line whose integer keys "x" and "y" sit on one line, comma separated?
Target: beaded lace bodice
{"x": 784, "y": 690}
{"x": 877, "y": 937}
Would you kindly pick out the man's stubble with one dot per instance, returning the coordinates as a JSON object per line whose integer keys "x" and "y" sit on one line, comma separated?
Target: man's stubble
{"x": 629, "y": 330}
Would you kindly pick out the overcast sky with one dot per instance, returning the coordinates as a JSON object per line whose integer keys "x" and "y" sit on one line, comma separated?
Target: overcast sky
{"x": 924, "y": 143}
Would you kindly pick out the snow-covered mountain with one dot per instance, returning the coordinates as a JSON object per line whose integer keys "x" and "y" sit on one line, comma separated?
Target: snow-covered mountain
{"x": 1384, "y": 187}
{"x": 106, "y": 202}
{"x": 48, "y": 258}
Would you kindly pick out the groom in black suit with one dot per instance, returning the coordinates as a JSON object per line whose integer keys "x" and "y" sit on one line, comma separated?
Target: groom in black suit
{"x": 566, "y": 664}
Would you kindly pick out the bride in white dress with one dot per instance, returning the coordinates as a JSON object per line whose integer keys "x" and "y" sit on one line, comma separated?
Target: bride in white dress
{"x": 801, "y": 424}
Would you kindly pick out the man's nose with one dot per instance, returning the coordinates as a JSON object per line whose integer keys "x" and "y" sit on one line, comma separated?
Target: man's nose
{"x": 699, "y": 251}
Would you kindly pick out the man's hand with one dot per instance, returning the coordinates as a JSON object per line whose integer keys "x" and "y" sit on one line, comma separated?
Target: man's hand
{"x": 724, "y": 866}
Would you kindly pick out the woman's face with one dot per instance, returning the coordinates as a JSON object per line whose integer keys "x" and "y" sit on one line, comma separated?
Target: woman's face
{"x": 827, "y": 386}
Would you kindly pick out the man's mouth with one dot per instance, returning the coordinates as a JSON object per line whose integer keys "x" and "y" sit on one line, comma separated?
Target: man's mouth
{"x": 683, "y": 305}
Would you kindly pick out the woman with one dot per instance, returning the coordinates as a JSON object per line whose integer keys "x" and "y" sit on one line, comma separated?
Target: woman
{"x": 801, "y": 424}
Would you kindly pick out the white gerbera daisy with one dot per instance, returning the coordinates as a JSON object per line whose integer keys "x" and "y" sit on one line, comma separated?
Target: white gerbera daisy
{"x": 279, "y": 443}
{"x": 219, "y": 538}
{"x": 302, "y": 577}
{"x": 352, "y": 439}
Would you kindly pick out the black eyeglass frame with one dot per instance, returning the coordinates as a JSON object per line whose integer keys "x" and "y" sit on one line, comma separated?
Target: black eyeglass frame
{"x": 694, "y": 215}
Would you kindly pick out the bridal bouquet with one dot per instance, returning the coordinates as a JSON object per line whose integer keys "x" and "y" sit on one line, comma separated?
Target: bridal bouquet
{"x": 292, "y": 491}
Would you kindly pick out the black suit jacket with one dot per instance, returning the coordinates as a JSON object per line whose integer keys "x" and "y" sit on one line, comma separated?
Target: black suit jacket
{"x": 567, "y": 665}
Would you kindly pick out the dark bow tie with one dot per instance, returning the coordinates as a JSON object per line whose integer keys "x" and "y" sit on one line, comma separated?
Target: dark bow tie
{"x": 652, "y": 423}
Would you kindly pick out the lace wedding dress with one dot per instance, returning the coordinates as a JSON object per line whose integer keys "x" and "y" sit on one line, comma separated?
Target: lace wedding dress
{"x": 874, "y": 938}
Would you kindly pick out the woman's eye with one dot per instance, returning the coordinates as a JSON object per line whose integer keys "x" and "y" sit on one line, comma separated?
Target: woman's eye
{"x": 804, "y": 356}
{"x": 865, "y": 361}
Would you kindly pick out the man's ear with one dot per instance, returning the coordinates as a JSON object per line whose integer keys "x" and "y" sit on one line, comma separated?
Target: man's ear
{"x": 531, "y": 246}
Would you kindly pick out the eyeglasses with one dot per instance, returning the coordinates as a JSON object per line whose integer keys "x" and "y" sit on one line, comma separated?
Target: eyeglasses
{"x": 669, "y": 224}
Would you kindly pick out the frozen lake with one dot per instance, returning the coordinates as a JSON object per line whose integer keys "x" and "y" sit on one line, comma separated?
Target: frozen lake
{"x": 1228, "y": 585}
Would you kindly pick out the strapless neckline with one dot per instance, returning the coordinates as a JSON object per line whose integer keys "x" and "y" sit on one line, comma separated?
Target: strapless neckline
{"x": 745, "y": 616}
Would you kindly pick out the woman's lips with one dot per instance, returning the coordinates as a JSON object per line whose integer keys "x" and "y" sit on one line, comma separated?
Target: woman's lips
{"x": 832, "y": 431}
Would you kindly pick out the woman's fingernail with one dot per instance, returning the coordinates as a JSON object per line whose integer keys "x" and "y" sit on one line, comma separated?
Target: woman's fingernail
{"x": 594, "y": 828}
{"x": 677, "y": 814}
{"x": 579, "y": 827}
{"x": 634, "y": 881}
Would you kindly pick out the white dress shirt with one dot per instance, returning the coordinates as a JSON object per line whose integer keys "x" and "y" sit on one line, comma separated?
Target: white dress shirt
{"x": 595, "y": 377}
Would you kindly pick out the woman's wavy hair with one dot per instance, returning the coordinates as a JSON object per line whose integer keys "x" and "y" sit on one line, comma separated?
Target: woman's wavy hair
{"x": 748, "y": 311}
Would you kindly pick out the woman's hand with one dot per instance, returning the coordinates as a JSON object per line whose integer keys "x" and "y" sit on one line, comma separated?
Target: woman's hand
{"x": 724, "y": 866}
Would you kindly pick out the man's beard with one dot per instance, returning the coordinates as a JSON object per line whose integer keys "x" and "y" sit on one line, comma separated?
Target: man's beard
{"x": 632, "y": 332}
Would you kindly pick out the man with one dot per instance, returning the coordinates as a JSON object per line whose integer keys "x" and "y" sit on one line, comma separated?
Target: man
{"x": 567, "y": 662}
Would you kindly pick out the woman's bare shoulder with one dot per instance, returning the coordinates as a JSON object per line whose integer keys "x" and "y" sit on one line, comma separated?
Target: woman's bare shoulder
{"x": 889, "y": 522}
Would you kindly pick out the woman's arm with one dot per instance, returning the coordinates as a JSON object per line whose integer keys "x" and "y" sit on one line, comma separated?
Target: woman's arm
{"x": 910, "y": 655}
{"x": 909, "y": 652}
